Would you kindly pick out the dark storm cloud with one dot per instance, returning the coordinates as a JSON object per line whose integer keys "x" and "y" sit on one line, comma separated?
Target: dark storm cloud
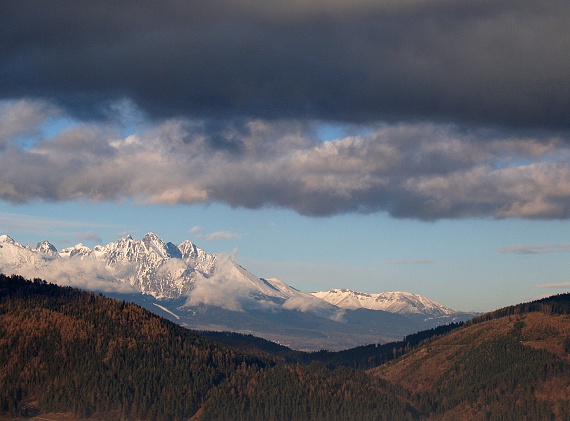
{"x": 468, "y": 62}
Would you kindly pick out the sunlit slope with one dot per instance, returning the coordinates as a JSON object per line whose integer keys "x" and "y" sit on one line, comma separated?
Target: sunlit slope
{"x": 516, "y": 364}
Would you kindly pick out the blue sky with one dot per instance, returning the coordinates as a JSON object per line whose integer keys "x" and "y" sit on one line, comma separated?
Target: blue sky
{"x": 416, "y": 146}
{"x": 462, "y": 264}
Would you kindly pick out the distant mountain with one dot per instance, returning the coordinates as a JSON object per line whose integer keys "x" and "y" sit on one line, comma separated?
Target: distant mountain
{"x": 394, "y": 302}
{"x": 150, "y": 266}
{"x": 212, "y": 292}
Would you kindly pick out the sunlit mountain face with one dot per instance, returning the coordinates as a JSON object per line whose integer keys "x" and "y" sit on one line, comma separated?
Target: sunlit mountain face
{"x": 212, "y": 292}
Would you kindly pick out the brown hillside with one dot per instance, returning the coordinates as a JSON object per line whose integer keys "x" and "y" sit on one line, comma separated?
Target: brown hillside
{"x": 418, "y": 370}
{"x": 524, "y": 358}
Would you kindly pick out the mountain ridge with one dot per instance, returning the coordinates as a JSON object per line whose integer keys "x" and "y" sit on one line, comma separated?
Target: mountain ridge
{"x": 212, "y": 292}
{"x": 392, "y": 301}
{"x": 151, "y": 256}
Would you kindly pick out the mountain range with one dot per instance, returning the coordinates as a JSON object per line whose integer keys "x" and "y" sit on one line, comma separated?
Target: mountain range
{"x": 394, "y": 302}
{"x": 212, "y": 292}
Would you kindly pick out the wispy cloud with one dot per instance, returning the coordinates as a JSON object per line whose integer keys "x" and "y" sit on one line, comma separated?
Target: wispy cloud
{"x": 89, "y": 274}
{"x": 29, "y": 223}
{"x": 410, "y": 262}
{"x": 88, "y": 236}
{"x": 554, "y": 285}
{"x": 536, "y": 249}
{"x": 218, "y": 235}
{"x": 220, "y": 289}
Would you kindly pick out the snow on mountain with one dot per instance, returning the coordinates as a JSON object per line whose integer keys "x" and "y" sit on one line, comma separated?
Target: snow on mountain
{"x": 14, "y": 254}
{"x": 212, "y": 292}
{"x": 150, "y": 266}
{"x": 47, "y": 248}
{"x": 169, "y": 272}
{"x": 394, "y": 302}
{"x": 156, "y": 267}
{"x": 77, "y": 250}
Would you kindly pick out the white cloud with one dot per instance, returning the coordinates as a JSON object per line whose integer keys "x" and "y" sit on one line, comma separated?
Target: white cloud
{"x": 423, "y": 171}
{"x": 310, "y": 304}
{"x": 88, "y": 274}
{"x": 220, "y": 290}
{"x": 303, "y": 303}
{"x": 219, "y": 235}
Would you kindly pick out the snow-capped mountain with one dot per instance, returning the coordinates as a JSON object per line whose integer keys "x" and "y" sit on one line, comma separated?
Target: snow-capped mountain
{"x": 212, "y": 292}
{"x": 394, "y": 302}
{"x": 150, "y": 266}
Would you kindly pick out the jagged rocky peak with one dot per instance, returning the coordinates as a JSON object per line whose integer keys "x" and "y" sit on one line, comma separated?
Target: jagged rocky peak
{"x": 188, "y": 249}
{"x": 124, "y": 248}
{"x": 126, "y": 241}
{"x": 6, "y": 239}
{"x": 153, "y": 243}
{"x": 46, "y": 247}
{"x": 76, "y": 250}
{"x": 152, "y": 239}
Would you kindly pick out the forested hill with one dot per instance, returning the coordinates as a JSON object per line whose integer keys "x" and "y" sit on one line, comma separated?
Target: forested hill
{"x": 511, "y": 364}
{"x": 64, "y": 350}
{"x": 555, "y": 304}
{"x": 67, "y": 351}
{"x": 68, "y": 354}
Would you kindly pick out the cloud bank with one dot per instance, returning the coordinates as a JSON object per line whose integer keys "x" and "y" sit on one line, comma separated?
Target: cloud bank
{"x": 500, "y": 63}
{"x": 409, "y": 170}
{"x": 449, "y": 109}
{"x": 88, "y": 274}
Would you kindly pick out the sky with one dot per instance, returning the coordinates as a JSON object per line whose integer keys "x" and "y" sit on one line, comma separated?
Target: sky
{"x": 410, "y": 145}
